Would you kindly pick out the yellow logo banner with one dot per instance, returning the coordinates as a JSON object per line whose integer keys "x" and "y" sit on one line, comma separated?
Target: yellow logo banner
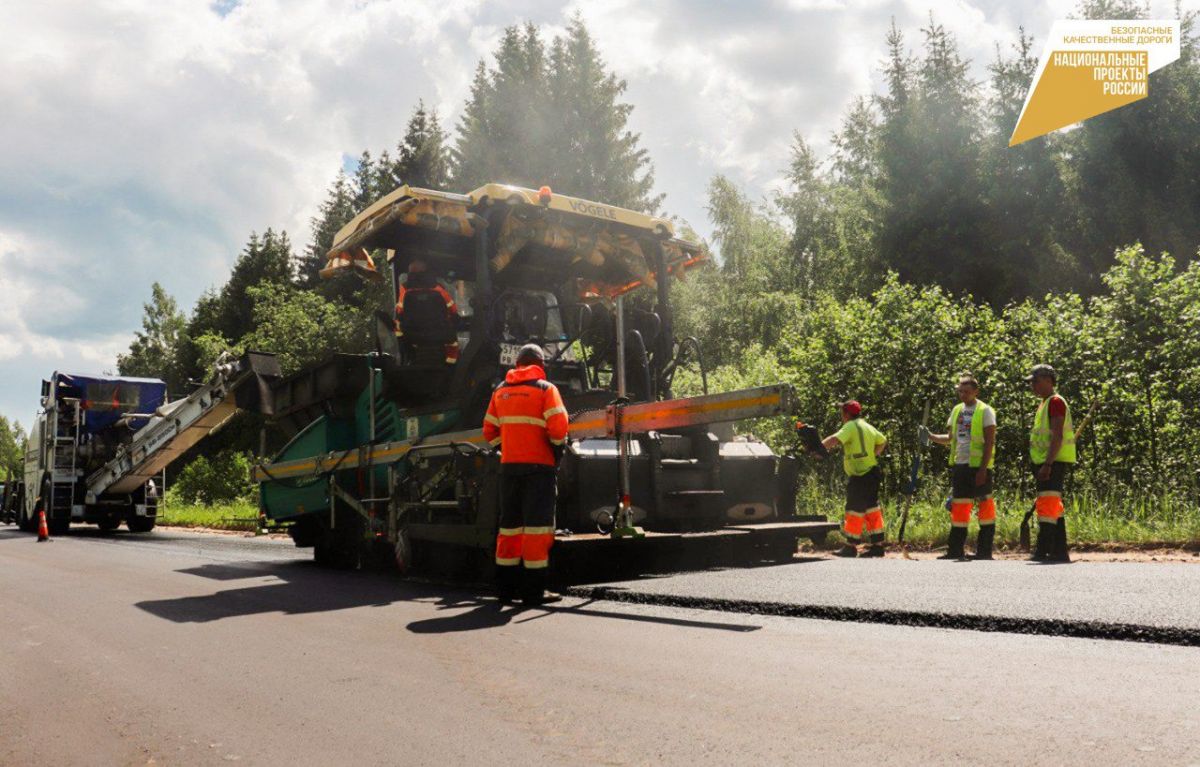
{"x": 1090, "y": 67}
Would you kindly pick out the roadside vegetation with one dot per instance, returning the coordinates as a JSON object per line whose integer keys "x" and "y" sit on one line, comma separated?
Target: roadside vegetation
{"x": 241, "y": 514}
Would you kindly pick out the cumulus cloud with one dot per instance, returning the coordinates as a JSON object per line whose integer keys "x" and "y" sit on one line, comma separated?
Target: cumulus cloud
{"x": 143, "y": 141}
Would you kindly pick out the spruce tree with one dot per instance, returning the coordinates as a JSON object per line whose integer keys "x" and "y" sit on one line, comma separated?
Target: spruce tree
{"x": 559, "y": 121}
{"x": 423, "y": 159}
{"x": 597, "y": 156}
{"x": 1132, "y": 171}
{"x": 335, "y": 212}
{"x": 265, "y": 259}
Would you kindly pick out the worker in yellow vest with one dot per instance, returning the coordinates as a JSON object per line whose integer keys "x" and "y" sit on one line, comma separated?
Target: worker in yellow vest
{"x": 971, "y": 435}
{"x": 861, "y": 444}
{"x": 1052, "y": 451}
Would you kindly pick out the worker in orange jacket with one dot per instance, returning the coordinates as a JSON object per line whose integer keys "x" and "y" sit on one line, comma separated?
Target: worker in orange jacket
{"x": 527, "y": 420}
{"x": 422, "y": 283}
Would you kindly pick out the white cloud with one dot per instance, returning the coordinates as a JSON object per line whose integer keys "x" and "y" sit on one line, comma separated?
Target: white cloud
{"x": 143, "y": 141}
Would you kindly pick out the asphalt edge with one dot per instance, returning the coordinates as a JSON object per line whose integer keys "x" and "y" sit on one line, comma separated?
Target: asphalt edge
{"x": 1121, "y": 632}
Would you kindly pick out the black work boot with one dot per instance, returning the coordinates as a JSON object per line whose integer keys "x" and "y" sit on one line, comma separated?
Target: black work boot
{"x": 1058, "y": 549}
{"x": 874, "y": 550}
{"x": 533, "y": 589}
{"x": 983, "y": 546}
{"x": 847, "y": 550}
{"x": 1047, "y": 532}
{"x": 958, "y": 538}
{"x": 508, "y": 581}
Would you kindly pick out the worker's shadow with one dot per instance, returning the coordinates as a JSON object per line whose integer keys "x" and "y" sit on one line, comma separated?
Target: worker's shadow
{"x": 484, "y": 614}
{"x": 489, "y": 613}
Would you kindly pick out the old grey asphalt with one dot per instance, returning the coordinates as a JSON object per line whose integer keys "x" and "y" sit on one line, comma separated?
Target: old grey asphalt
{"x": 189, "y": 649}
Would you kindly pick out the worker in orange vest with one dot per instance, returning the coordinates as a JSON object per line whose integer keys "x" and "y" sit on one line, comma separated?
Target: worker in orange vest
{"x": 426, "y": 314}
{"x": 527, "y": 420}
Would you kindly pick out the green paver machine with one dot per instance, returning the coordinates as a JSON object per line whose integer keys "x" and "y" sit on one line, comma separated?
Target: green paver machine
{"x": 387, "y": 457}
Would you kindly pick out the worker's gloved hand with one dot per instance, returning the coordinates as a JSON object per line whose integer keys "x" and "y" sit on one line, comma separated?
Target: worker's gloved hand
{"x": 810, "y": 440}
{"x": 559, "y": 451}
{"x": 923, "y": 435}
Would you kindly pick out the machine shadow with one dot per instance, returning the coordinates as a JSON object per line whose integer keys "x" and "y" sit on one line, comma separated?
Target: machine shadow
{"x": 594, "y": 572}
{"x": 301, "y": 587}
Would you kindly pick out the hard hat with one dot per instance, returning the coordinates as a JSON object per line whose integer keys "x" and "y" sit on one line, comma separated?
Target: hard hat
{"x": 1040, "y": 371}
{"x": 531, "y": 354}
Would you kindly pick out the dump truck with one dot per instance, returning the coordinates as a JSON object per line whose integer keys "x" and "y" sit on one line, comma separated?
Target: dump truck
{"x": 385, "y": 457}
{"x": 99, "y": 444}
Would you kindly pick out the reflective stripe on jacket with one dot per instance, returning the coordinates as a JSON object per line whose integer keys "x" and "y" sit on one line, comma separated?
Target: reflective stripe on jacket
{"x": 526, "y": 417}
{"x": 1039, "y": 436}
{"x": 859, "y": 440}
{"x": 404, "y": 291}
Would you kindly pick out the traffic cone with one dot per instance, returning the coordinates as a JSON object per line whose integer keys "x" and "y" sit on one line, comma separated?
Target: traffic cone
{"x": 43, "y": 529}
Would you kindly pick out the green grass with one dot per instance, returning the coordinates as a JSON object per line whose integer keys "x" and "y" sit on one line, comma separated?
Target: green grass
{"x": 1092, "y": 520}
{"x": 240, "y": 515}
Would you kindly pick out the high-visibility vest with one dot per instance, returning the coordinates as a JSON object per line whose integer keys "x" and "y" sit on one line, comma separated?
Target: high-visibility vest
{"x": 976, "y": 455}
{"x": 526, "y": 417}
{"x": 1039, "y": 435}
{"x": 858, "y": 453}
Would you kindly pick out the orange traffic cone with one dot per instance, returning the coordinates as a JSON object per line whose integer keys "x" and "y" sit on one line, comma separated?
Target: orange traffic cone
{"x": 43, "y": 529}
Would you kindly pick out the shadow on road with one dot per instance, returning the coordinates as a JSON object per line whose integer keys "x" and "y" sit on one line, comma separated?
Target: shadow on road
{"x": 300, "y": 587}
{"x": 491, "y": 614}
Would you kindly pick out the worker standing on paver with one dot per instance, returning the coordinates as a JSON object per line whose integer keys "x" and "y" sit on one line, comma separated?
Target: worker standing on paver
{"x": 1052, "y": 451}
{"x": 426, "y": 314}
{"x": 527, "y": 420}
{"x": 861, "y": 444}
{"x": 971, "y": 435}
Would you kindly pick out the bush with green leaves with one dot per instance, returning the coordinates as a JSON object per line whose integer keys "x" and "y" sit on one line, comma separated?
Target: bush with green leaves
{"x": 1134, "y": 349}
{"x": 224, "y": 478}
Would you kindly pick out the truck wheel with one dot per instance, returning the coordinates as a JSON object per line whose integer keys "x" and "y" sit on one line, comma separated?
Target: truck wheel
{"x": 782, "y": 551}
{"x": 59, "y": 526}
{"x": 26, "y": 524}
{"x": 108, "y": 524}
{"x": 140, "y": 524}
{"x": 334, "y": 548}
{"x": 402, "y": 552}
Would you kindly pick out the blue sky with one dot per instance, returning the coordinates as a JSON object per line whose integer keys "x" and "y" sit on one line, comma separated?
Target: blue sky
{"x": 143, "y": 141}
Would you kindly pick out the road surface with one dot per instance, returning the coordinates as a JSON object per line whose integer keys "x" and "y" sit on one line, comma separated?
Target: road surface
{"x": 178, "y": 648}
